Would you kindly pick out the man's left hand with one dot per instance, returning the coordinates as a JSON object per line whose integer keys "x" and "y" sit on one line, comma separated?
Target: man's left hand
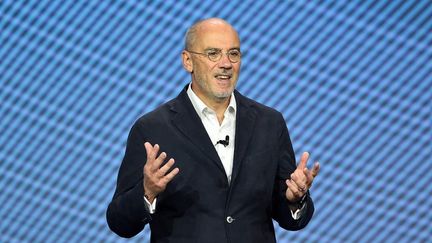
{"x": 301, "y": 179}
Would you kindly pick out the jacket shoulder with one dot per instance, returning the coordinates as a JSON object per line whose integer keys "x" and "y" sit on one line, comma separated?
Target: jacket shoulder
{"x": 156, "y": 115}
{"x": 260, "y": 108}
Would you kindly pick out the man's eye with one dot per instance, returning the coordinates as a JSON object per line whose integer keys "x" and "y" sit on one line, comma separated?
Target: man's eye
{"x": 234, "y": 53}
{"x": 213, "y": 53}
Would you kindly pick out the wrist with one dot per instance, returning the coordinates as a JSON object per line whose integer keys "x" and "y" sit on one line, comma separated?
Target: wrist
{"x": 149, "y": 196}
{"x": 299, "y": 203}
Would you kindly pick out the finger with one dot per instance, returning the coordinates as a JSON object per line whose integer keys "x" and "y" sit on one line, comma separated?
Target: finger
{"x": 315, "y": 169}
{"x": 159, "y": 160}
{"x": 155, "y": 150}
{"x": 303, "y": 160}
{"x": 170, "y": 176}
{"x": 289, "y": 187}
{"x": 149, "y": 149}
{"x": 299, "y": 182}
{"x": 293, "y": 188}
{"x": 309, "y": 176}
{"x": 164, "y": 169}
{"x": 292, "y": 185}
{"x": 300, "y": 175}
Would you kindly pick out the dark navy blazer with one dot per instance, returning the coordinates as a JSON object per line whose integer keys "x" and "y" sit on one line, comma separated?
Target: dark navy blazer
{"x": 199, "y": 205}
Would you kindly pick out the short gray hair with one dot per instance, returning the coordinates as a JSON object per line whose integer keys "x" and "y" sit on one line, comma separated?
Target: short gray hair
{"x": 191, "y": 36}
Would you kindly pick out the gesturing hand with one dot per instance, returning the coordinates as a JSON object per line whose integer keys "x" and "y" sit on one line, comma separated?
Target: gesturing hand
{"x": 156, "y": 177}
{"x": 301, "y": 179}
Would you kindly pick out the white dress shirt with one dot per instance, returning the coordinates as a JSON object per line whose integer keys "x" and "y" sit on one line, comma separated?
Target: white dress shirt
{"x": 216, "y": 133}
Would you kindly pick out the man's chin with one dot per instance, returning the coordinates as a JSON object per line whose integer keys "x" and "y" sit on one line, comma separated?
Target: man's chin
{"x": 223, "y": 95}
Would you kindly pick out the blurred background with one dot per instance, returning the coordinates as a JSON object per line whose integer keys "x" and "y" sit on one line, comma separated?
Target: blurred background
{"x": 352, "y": 78}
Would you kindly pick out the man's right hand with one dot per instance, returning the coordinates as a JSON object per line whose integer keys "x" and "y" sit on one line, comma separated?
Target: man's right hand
{"x": 156, "y": 177}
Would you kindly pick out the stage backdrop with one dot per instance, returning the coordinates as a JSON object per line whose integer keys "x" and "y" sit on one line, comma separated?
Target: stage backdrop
{"x": 352, "y": 78}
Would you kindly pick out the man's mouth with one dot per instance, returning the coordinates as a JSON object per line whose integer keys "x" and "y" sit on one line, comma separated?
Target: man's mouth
{"x": 223, "y": 77}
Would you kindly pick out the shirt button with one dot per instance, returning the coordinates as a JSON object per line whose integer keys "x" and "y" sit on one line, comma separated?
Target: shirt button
{"x": 229, "y": 219}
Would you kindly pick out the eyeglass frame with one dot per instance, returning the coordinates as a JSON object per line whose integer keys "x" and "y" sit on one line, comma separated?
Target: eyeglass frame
{"x": 220, "y": 52}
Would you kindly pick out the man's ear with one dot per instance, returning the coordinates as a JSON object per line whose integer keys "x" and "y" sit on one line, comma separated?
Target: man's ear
{"x": 187, "y": 61}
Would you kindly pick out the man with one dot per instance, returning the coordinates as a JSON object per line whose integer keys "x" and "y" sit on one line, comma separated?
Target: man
{"x": 231, "y": 166}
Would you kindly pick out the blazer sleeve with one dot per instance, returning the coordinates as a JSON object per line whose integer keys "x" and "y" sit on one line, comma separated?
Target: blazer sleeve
{"x": 286, "y": 166}
{"x": 127, "y": 213}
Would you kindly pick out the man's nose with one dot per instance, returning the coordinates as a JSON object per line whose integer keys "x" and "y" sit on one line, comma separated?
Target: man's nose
{"x": 224, "y": 62}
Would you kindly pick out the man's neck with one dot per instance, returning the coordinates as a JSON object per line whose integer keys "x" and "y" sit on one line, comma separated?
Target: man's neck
{"x": 218, "y": 105}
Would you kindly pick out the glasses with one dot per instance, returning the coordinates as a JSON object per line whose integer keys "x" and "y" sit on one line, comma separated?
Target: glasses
{"x": 215, "y": 55}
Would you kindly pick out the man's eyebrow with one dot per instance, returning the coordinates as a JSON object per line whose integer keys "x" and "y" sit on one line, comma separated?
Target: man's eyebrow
{"x": 212, "y": 49}
{"x": 218, "y": 49}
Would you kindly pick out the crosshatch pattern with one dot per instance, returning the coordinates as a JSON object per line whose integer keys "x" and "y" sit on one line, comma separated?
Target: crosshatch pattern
{"x": 352, "y": 79}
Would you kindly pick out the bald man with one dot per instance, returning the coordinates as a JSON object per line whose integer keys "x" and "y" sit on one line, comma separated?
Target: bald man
{"x": 211, "y": 165}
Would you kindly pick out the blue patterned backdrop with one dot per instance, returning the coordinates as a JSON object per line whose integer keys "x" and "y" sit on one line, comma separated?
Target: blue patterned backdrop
{"x": 352, "y": 78}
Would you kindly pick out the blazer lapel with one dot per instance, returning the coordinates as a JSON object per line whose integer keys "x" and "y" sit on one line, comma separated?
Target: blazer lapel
{"x": 245, "y": 122}
{"x": 188, "y": 122}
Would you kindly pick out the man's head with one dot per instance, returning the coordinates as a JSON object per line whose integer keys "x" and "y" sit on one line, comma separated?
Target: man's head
{"x": 213, "y": 79}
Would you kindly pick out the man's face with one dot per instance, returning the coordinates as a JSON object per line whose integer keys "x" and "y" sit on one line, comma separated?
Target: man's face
{"x": 214, "y": 80}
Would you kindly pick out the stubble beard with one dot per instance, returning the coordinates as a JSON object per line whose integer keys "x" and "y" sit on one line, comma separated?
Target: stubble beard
{"x": 212, "y": 94}
{"x": 218, "y": 96}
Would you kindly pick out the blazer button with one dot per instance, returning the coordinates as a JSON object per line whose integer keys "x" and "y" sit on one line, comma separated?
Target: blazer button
{"x": 229, "y": 219}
